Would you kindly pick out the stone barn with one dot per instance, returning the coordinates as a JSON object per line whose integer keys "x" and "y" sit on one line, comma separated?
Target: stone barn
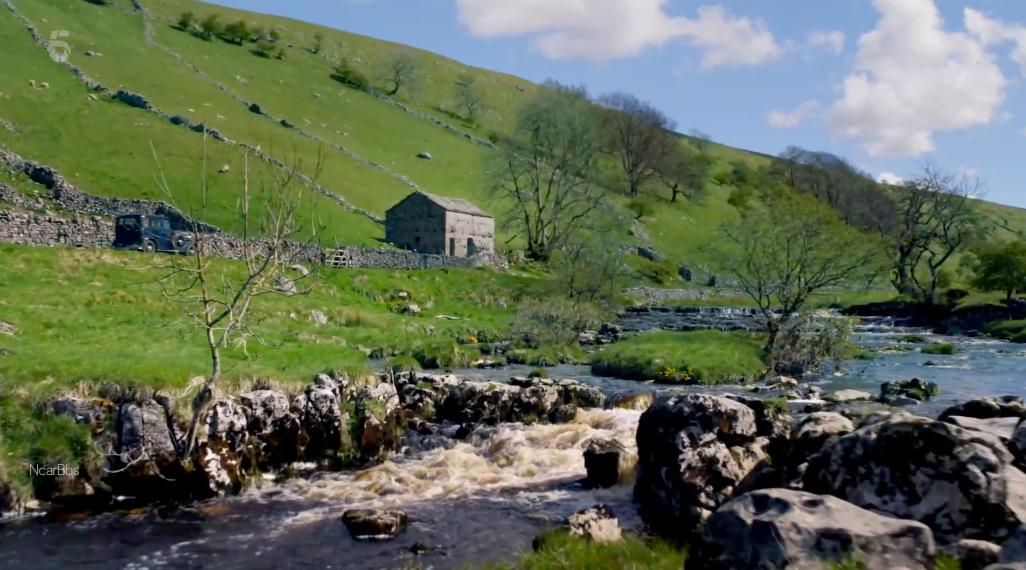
{"x": 437, "y": 225}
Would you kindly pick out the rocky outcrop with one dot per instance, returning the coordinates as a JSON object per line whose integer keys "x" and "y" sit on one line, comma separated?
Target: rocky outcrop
{"x": 372, "y": 524}
{"x": 379, "y": 420}
{"x": 609, "y": 464}
{"x": 222, "y": 443}
{"x": 692, "y": 452}
{"x": 446, "y": 398}
{"x": 780, "y": 529}
{"x": 1002, "y": 428}
{"x": 960, "y": 483}
{"x": 846, "y": 396}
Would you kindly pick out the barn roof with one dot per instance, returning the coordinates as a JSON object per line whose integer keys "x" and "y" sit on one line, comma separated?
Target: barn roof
{"x": 456, "y": 205}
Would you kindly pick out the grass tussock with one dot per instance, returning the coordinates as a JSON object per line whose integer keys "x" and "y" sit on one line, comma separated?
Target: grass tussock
{"x": 701, "y": 357}
{"x": 940, "y": 349}
{"x": 560, "y": 551}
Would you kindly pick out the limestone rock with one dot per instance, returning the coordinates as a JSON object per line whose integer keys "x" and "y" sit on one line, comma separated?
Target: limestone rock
{"x": 779, "y": 529}
{"x": 424, "y": 155}
{"x": 971, "y": 554}
{"x": 379, "y": 421}
{"x": 609, "y": 464}
{"x": 374, "y": 524}
{"x": 692, "y": 452}
{"x": 597, "y": 523}
{"x": 410, "y": 309}
{"x": 318, "y": 317}
{"x": 146, "y": 444}
{"x": 845, "y": 396}
{"x": 273, "y": 428}
{"x": 958, "y": 482}
{"x": 222, "y": 446}
{"x": 132, "y": 99}
{"x": 988, "y": 408}
{"x": 897, "y": 393}
{"x": 814, "y": 431}
{"x": 8, "y": 329}
{"x": 1001, "y": 427}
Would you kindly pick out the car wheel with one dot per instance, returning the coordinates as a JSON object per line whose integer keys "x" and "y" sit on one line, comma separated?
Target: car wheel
{"x": 149, "y": 246}
{"x": 190, "y": 251}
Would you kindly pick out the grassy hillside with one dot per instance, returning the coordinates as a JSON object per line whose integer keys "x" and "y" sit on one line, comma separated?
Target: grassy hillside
{"x": 367, "y": 146}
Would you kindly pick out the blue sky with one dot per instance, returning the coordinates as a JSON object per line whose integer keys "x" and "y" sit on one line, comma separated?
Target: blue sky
{"x": 884, "y": 83}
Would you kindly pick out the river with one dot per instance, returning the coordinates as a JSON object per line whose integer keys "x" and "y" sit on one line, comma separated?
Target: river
{"x": 478, "y": 500}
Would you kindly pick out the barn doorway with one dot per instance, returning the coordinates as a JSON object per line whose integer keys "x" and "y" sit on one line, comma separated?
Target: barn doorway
{"x": 452, "y": 247}
{"x": 471, "y": 248}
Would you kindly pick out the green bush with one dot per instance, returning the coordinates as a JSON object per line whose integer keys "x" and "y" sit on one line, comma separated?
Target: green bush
{"x": 349, "y": 76}
{"x": 555, "y": 320}
{"x": 447, "y": 355}
{"x": 941, "y": 349}
{"x": 661, "y": 272}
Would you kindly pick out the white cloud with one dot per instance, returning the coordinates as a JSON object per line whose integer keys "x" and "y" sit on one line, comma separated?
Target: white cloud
{"x": 911, "y": 78}
{"x": 889, "y": 178}
{"x": 833, "y": 40}
{"x": 787, "y": 120}
{"x": 609, "y": 29}
{"x": 991, "y": 32}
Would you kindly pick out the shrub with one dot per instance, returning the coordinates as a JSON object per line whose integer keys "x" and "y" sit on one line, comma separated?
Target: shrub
{"x": 661, "y": 272}
{"x": 446, "y": 355}
{"x": 349, "y": 76}
{"x": 940, "y": 349}
{"x": 186, "y": 21}
{"x": 555, "y": 320}
{"x": 538, "y": 373}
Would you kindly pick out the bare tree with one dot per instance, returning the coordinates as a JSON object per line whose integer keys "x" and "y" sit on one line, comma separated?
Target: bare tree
{"x": 639, "y": 134}
{"x": 938, "y": 215}
{"x": 399, "y": 71}
{"x": 216, "y": 297}
{"x": 469, "y": 98}
{"x": 544, "y": 175}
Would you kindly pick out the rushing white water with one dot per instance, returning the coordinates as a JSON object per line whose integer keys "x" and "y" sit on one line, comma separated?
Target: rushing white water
{"x": 515, "y": 456}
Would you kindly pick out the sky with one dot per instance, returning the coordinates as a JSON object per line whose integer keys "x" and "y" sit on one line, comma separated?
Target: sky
{"x": 887, "y": 84}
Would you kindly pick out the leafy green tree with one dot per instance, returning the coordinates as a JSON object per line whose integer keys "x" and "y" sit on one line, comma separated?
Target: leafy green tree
{"x": 1000, "y": 267}
{"x": 186, "y": 21}
{"x": 211, "y": 26}
{"x": 267, "y": 48}
{"x": 236, "y": 32}
{"x": 544, "y": 175}
{"x": 399, "y": 71}
{"x": 938, "y": 216}
{"x": 787, "y": 247}
{"x": 685, "y": 171}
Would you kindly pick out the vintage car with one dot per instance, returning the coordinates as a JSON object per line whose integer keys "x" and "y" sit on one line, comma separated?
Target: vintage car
{"x": 149, "y": 233}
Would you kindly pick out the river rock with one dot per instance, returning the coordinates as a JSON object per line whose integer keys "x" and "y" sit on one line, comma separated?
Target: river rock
{"x": 1003, "y": 428}
{"x": 146, "y": 444}
{"x": 813, "y": 432}
{"x": 597, "y": 523}
{"x": 374, "y": 524}
{"x": 897, "y": 393}
{"x": 771, "y": 422}
{"x": 971, "y": 554}
{"x": 960, "y": 483}
{"x": 689, "y": 460}
{"x": 635, "y": 402}
{"x": 988, "y": 408}
{"x": 325, "y": 426}
{"x": 609, "y": 464}
{"x": 780, "y": 529}
{"x": 846, "y": 396}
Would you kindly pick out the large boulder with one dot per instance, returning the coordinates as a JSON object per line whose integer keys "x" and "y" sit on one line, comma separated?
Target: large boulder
{"x": 958, "y": 482}
{"x": 772, "y": 421}
{"x": 146, "y": 444}
{"x": 812, "y": 433}
{"x": 1002, "y": 428}
{"x": 374, "y": 524}
{"x": 846, "y": 396}
{"x": 325, "y": 427}
{"x": 609, "y": 464}
{"x": 988, "y": 408}
{"x": 778, "y": 529}
{"x": 693, "y": 450}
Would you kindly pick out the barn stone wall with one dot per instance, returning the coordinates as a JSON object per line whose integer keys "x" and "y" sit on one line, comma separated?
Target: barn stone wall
{"x": 461, "y": 228}
{"x": 418, "y": 224}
